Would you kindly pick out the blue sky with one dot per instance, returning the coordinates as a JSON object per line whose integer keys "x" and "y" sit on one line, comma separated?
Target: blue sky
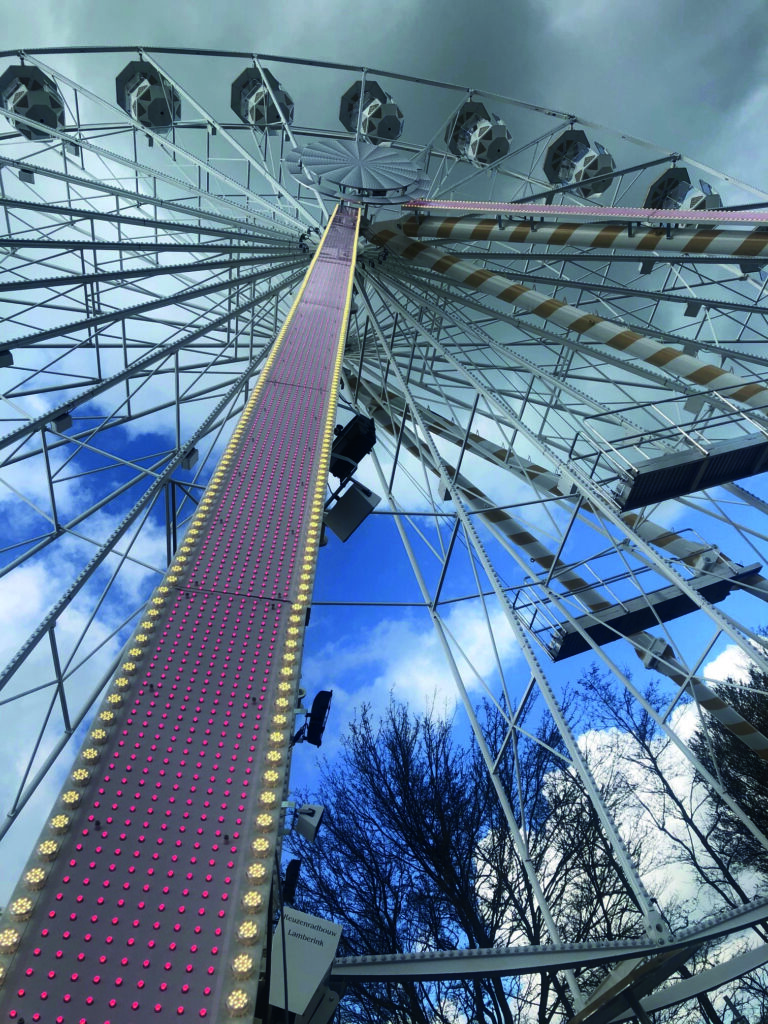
{"x": 670, "y": 72}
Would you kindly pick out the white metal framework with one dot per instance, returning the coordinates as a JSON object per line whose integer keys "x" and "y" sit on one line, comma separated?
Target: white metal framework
{"x": 567, "y": 407}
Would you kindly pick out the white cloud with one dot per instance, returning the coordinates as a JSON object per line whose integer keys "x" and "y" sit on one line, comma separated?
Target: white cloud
{"x": 25, "y": 493}
{"x": 646, "y": 813}
{"x": 731, "y": 663}
{"x": 21, "y": 607}
{"x": 403, "y": 657}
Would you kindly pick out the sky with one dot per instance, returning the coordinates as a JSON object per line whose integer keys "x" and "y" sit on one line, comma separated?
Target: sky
{"x": 686, "y": 74}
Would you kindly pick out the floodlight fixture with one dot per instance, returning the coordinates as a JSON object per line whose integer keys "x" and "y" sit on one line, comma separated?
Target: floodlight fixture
{"x": 350, "y": 510}
{"x": 307, "y": 821}
{"x": 352, "y": 442}
{"x": 291, "y": 880}
{"x": 314, "y": 727}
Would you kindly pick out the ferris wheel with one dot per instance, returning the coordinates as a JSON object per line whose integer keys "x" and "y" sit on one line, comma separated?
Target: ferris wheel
{"x": 556, "y": 337}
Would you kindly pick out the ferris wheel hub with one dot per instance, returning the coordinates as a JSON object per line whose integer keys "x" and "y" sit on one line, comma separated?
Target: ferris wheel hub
{"x": 357, "y": 169}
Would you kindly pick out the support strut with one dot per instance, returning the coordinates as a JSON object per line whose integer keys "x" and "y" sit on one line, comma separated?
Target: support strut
{"x": 168, "y": 827}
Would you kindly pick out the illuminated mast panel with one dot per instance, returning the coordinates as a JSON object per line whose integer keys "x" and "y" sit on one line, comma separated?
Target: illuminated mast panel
{"x": 148, "y": 891}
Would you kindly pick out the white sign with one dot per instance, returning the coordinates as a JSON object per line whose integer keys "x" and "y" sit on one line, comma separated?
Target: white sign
{"x": 310, "y": 946}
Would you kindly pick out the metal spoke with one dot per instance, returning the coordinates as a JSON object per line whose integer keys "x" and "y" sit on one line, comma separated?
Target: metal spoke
{"x": 569, "y": 391}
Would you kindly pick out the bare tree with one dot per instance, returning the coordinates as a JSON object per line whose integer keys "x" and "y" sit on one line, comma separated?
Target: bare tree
{"x": 415, "y": 854}
{"x": 685, "y": 821}
{"x": 741, "y": 773}
{"x": 664, "y": 792}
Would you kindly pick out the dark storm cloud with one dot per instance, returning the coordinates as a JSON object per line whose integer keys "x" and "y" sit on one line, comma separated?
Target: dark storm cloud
{"x": 669, "y": 70}
{"x": 449, "y": 41}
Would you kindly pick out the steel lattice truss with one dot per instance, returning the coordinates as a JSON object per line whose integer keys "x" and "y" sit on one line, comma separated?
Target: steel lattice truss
{"x": 228, "y": 622}
{"x": 570, "y": 406}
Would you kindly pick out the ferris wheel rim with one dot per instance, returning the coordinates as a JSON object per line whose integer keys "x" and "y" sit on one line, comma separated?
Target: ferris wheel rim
{"x": 387, "y": 278}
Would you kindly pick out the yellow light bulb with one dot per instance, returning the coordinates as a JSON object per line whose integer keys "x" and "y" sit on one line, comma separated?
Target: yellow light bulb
{"x": 9, "y": 940}
{"x": 21, "y": 908}
{"x": 35, "y": 878}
